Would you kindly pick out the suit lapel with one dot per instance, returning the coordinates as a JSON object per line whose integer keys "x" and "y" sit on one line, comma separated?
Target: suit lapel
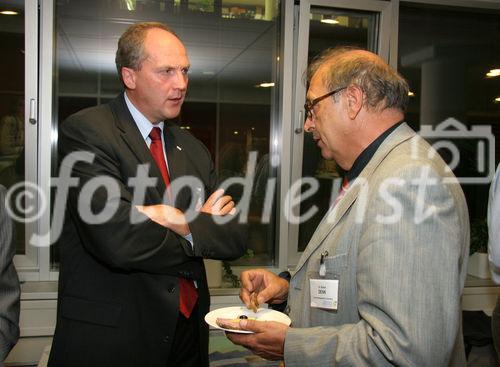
{"x": 333, "y": 216}
{"x": 132, "y": 137}
{"x": 177, "y": 161}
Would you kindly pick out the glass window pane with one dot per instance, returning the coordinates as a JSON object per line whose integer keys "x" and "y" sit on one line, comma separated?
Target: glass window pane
{"x": 329, "y": 27}
{"x": 447, "y": 63}
{"x": 12, "y": 105}
{"x": 232, "y": 48}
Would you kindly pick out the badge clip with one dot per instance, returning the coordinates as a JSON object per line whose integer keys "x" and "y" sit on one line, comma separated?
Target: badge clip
{"x": 322, "y": 267}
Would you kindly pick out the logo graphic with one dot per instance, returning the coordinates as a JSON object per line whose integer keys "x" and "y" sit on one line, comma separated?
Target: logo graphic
{"x": 470, "y": 153}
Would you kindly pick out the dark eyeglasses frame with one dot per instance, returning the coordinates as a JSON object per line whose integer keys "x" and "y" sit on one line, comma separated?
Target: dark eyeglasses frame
{"x": 309, "y": 105}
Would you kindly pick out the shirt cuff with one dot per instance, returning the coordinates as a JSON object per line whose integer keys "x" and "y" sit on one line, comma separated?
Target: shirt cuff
{"x": 189, "y": 237}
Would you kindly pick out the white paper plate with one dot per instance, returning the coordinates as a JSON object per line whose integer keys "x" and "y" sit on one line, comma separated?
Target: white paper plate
{"x": 262, "y": 314}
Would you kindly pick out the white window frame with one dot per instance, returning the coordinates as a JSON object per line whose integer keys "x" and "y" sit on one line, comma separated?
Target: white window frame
{"x": 385, "y": 9}
{"x": 28, "y": 263}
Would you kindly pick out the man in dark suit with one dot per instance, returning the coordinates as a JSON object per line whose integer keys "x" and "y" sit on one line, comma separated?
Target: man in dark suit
{"x": 132, "y": 288}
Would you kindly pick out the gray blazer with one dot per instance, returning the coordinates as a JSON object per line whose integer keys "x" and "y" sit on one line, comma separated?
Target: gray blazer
{"x": 399, "y": 250}
{"x": 9, "y": 284}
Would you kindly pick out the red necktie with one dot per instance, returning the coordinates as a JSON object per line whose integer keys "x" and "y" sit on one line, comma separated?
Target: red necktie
{"x": 343, "y": 189}
{"x": 187, "y": 290}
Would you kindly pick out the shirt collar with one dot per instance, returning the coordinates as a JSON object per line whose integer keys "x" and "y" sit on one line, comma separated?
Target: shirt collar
{"x": 143, "y": 124}
{"x": 367, "y": 154}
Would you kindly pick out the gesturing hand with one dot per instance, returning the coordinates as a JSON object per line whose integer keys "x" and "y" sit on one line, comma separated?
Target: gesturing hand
{"x": 269, "y": 287}
{"x": 219, "y": 204}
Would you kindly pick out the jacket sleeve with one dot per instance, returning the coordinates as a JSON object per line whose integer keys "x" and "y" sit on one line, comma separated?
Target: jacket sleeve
{"x": 219, "y": 240}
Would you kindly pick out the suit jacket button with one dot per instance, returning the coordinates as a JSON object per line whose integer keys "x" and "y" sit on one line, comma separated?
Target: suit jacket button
{"x": 171, "y": 288}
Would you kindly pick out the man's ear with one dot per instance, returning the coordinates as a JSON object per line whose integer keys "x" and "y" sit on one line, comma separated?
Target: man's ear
{"x": 354, "y": 96}
{"x": 128, "y": 77}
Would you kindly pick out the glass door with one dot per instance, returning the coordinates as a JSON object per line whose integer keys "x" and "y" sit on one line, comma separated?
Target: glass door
{"x": 18, "y": 122}
{"x": 322, "y": 25}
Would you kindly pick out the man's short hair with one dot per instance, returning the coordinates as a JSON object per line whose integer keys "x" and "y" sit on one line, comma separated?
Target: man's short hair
{"x": 130, "y": 52}
{"x": 381, "y": 84}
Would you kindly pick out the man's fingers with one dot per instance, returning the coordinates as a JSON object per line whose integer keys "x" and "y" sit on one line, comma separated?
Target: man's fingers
{"x": 245, "y": 296}
{"x": 247, "y": 280}
{"x": 221, "y": 202}
{"x": 253, "y": 325}
{"x": 250, "y": 325}
{"x": 214, "y": 197}
{"x": 265, "y": 295}
{"x": 227, "y": 208}
{"x": 228, "y": 324}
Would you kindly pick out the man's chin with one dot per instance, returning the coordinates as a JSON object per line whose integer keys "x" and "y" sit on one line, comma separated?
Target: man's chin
{"x": 326, "y": 154}
{"x": 171, "y": 114}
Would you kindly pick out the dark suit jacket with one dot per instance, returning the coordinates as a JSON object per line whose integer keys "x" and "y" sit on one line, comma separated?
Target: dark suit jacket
{"x": 118, "y": 282}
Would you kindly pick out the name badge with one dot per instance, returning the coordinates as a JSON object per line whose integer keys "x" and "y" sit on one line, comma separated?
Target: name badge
{"x": 324, "y": 293}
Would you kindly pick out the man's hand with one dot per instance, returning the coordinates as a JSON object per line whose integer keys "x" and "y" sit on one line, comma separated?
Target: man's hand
{"x": 219, "y": 204}
{"x": 267, "y": 341}
{"x": 167, "y": 216}
{"x": 173, "y": 219}
{"x": 268, "y": 286}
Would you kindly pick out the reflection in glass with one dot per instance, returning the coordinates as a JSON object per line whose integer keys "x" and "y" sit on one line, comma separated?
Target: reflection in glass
{"x": 232, "y": 48}
{"x": 12, "y": 106}
{"x": 329, "y": 28}
{"x": 446, "y": 64}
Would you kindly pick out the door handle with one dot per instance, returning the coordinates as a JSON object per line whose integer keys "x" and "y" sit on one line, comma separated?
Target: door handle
{"x": 32, "y": 118}
{"x": 299, "y": 130}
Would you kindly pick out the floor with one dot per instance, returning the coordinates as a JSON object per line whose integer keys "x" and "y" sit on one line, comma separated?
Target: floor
{"x": 483, "y": 357}
{"x": 223, "y": 353}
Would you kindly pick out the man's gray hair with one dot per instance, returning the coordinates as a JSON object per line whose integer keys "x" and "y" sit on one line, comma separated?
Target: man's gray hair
{"x": 381, "y": 84}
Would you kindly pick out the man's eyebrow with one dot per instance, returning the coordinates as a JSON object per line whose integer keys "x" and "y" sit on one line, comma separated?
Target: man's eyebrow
{"x": 174, "y": 66}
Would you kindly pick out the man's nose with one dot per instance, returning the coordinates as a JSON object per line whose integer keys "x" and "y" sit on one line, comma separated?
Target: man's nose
{"x": 181, "y": 80}
{"x": 309, "y": 124}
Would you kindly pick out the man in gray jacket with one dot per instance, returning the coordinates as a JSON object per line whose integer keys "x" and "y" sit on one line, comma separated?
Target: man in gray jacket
{"x": 9, "y": 284}
{"x": 380, "y": 281}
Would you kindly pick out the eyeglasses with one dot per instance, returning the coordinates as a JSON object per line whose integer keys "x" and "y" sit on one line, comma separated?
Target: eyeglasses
{"x": 309, "y": 105}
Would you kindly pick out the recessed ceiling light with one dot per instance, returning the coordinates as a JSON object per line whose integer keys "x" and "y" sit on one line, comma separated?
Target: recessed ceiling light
{"x": 497, "y": 100}
{"x": 411, "y": 94}
{"x": 266, "y": 85}
{"x": 235, "y": 132}
{"x": 493, "y": 73}
{"x": 328, "y": 19}
{"x": 9, "y": 12}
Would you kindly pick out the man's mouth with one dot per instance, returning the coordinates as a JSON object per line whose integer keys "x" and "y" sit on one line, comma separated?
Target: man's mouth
{"x": 175, "y": 99}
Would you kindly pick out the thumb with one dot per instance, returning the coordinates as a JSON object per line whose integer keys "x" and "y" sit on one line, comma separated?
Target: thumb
{"x": 265, "y": 295}
{"x": 253, "y": 325}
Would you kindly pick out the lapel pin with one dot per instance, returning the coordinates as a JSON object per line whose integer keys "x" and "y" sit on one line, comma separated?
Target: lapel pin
{"x": 178, "y": 147}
